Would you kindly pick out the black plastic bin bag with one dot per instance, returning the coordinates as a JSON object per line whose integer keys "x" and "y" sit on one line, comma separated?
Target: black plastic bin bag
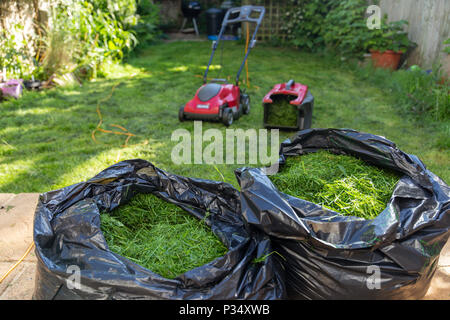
{"x": 68, "y": 239}
{"x": 331, "y": 256}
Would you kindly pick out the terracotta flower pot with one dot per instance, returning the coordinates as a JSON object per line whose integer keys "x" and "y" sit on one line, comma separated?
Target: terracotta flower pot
{"x": 387, "y": 60}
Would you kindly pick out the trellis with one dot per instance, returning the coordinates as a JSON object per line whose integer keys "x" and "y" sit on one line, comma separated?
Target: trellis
{"x": 271, "y": 27}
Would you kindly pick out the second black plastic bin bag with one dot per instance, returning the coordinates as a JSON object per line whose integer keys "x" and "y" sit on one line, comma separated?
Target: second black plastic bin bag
{"x": 331, "y": 256}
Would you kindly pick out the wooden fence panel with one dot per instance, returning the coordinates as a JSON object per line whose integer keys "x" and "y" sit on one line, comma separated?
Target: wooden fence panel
{"x": 271, "y": 27}
{"x": 429, "y": 27}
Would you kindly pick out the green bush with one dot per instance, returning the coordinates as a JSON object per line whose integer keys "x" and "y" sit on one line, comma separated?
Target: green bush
{"x": 124, "y": 11}
{"x": 147, "y": 26}
{"x": 86, "y": 34}
{"x": 304, "y": 19}
{"x": 61, "y": 48}
{"x": 344, "y": 27}
{"x": 14, "y": 57}
{"x": 82, "y": 37}
{"x": 390, "y": 36}
{"x": 315, "y": 24}
{"x": 341, "y": 27}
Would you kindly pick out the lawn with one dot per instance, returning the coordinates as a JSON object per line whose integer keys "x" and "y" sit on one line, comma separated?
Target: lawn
{"x": 46, "y": 142}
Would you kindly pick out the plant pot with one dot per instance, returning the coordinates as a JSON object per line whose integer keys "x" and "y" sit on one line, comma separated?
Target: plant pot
{"x": 388, "y": 59}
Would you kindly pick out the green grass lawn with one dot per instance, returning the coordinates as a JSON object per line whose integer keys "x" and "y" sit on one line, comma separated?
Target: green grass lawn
{"x": 45, "y": 137}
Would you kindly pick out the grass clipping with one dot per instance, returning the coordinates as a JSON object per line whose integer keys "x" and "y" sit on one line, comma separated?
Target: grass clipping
{"x": 343, "y": 184}
{"x": 160, "y": 236}
{"x": 280, "y": 113}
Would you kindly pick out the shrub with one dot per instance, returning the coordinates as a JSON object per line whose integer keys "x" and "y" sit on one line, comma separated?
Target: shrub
{"x": 340, "y": 26}
{"x": 85, "y": 34}
{"x": 14, "y": 57}
{"x": 390, "y": 36}
{"x": 344, "y": 27}
{"x": 82, "y": 37}
{"x": 147, "y": 27}
{"x": 123, "y": 11}
{"x": 61, "y": 48}
{"x": 304, "y": 22}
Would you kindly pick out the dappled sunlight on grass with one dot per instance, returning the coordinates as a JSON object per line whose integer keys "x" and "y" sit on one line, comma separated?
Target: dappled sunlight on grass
{"x": 21, "y": 112}
{"x": 193, "y": 68}
{"x": 212, "y": 67}
{"x": 72, "y": 93}
{"x": 15, "y": 130}
{"x": 178, "y": 69}
{"x": 119, "y": 71}
{"x": 10, "y": 171}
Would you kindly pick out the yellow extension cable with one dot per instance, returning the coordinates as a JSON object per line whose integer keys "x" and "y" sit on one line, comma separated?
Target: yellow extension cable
{"x": 18, "y": 262}
{"x": 246, "y": 48}
{"x": 98, "y": 128}
{"x": 124, "y": 131}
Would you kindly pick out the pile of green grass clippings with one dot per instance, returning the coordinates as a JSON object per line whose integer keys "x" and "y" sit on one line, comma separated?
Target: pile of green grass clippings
{"x": 281, "y": 113}
{"x": 344, "y": 184}
{"x": 160, "y": 236}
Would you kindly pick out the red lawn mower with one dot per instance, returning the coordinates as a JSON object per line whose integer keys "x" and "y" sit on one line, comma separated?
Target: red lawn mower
{"x": 219, "y": 100}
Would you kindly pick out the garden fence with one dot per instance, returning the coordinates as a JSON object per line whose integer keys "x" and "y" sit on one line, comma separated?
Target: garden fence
{"x": 271, "y": 27}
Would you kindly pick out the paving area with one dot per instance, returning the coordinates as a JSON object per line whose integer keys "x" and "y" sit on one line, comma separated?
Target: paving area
{"x": 16, "y": 235}
{"x": 16, "y": 230}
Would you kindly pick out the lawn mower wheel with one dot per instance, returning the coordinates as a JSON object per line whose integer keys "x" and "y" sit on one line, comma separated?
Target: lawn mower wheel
{"x": 181, "y": 114}
{"x": 227, "y": 117}
{"x": 245, "y": 101}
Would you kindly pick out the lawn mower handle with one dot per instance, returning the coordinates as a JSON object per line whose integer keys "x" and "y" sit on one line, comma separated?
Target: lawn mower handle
{"x": 244, "y": 16}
